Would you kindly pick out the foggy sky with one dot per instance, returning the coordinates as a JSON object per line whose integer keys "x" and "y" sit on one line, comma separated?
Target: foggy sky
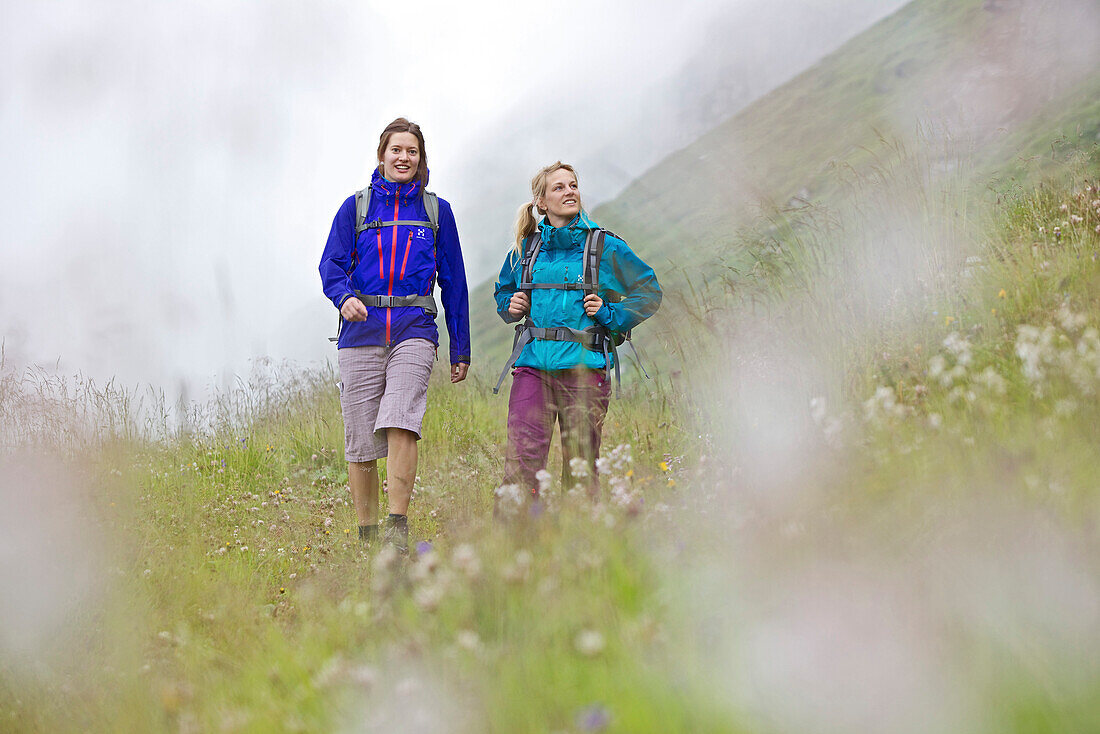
{"x": 170, "y": 173}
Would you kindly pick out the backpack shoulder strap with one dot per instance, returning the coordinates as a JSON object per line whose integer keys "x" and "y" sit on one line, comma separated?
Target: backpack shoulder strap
{"x": 362, "y": 206}
{"x": 431, "y": 206}
{"x": 593, "y": 253}
{"x": 530, "y": 253}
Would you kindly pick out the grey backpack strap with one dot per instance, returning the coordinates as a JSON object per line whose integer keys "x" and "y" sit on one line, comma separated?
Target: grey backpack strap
{"x": 523, "y": 335}
{"x": 378, "y": 224}
{"x": 527, "y": 265}
{"x": 593, "y": 253}
{"x": 362, "y": 206}
{"x": 431, "y": 206}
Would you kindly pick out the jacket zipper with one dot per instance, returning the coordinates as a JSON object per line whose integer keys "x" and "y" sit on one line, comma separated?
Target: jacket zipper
{"x": 405, "y": 261}
{"x": 380, "y": 273}
{"x": 565, "y": 293}
{"x": 393, "y": 261}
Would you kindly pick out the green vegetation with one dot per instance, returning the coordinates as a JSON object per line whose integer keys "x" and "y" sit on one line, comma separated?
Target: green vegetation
{"x": 949, "y": 445}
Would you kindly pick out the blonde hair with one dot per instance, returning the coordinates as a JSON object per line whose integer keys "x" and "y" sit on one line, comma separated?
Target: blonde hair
{"x": 525, "y": 219}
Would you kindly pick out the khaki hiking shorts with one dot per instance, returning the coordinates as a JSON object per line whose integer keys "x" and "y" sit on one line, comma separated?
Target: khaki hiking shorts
{"x": 380, "y": 388}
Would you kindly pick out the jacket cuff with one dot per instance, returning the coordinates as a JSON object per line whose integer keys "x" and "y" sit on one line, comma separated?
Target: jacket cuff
{"x": 603, "y": 316}
{"x": 339, "y": 302}
{"x": 461, "y": 359}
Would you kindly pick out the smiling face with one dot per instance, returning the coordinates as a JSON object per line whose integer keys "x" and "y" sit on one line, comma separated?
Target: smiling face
{"x": 400, "y": 157}
{"x": 562, "y": 200}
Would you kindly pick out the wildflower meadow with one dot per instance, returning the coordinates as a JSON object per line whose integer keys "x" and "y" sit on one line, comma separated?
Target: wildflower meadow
{"x": 861, "y": 496}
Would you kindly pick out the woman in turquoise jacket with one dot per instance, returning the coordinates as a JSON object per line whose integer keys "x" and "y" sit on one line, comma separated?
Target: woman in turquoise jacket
{"x": 581, "y": 289}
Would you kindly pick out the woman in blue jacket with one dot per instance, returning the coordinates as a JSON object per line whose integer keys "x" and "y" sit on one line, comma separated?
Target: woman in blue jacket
{"x": 388, "y": 246}
{"x": 564, "y": 350}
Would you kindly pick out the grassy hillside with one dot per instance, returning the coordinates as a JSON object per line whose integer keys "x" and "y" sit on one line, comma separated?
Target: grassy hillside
{"x": 988, "y": 86}
{"x": 923, "y": 533}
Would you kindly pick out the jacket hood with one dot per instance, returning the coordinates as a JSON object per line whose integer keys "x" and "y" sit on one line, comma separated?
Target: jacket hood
{"x": 388, "y": 189}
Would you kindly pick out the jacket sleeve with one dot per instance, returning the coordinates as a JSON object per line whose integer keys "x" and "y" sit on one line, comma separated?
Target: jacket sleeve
{"x": 336, "y": 259}
{"x": 452, "y": 285}
{"x": 507, "y": 285}
{"x": 624, "y": 272}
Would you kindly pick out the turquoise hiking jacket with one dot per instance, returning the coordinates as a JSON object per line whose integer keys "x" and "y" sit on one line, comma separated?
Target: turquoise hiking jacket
{"x": 561, "y": 260}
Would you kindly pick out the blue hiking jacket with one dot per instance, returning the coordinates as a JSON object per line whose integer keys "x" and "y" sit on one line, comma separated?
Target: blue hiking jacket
{"x": 397, "y": 261}
{"x": 561, "y": 260}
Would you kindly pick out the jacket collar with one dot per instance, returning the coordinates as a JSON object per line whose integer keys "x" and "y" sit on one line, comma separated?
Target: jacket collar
{"x": 389, "y": 189}
{"x": 580, "y": 223}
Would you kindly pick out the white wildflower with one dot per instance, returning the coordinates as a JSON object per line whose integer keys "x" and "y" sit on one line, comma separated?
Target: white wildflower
{"x": 817, "y": 410}
{"x": 468, "y": 640}
{"x": 957, "y": 345}
{"x": 1034, "y": 347}
{"x": 465, "y": 559}
{"x": 883, "y": 405}
{"x": 936, "y": 366}
{"x": 578, "y": 467}
{"x": 429, "y": 596}
{"x": 621, "y": 458}
{"x": 363, "y": 676}
{"x": 1069, "y": 320}
{"x": 589, "y": 643}
{"x": 425, "y": 567}
{"x": 993, "y": 381}
{"x": 510, "y": 499}
{"x": 519, "y": 569}
{"x": 1065, "y": 407}
{"x": 383, "y": 566}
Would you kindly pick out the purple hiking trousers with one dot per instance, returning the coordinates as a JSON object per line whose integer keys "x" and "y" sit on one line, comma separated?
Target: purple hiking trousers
{"x": 576, "y": 399}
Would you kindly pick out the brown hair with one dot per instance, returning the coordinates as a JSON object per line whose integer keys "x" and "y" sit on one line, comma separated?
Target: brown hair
{"x": 525, "y": 220}
{"x": 402, "y": 125}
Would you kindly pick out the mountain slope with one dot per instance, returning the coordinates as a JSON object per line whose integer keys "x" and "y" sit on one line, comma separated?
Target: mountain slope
{"x": 975, "y": 79}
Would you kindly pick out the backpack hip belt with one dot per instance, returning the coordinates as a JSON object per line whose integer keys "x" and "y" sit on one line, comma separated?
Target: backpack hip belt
{"x": 425, "y": 302}
{"x": 596, "y": 338}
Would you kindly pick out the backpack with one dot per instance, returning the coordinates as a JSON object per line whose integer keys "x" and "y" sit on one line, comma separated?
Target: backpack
{"x": 595, "y": 338}
{"x": 362, "y": 206}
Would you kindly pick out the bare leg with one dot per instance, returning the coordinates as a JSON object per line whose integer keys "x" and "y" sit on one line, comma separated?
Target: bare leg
{"x": 400, "y": 469}
{"x": 363, "y": 481}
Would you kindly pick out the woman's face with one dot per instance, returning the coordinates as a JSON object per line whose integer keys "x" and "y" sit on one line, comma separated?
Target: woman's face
{"x": 401, "y": 157}
{"x": 562, "y": 200}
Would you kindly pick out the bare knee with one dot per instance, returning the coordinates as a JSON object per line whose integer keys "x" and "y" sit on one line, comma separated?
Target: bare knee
{"x": 400, "y": 436}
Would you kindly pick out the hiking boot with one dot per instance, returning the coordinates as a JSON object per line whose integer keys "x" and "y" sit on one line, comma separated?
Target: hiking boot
{"x": 397, "y": 537}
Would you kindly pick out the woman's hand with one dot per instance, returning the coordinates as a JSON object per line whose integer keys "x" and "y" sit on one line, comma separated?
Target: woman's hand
{"x": 353, "y": 310}
{"x": 458, "y": 371}
{"x": 592, "y": 304}
{"x": 519, "y": 305}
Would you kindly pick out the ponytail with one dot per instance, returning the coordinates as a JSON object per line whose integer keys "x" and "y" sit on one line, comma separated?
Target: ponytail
{"x": 525, "y": 226}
